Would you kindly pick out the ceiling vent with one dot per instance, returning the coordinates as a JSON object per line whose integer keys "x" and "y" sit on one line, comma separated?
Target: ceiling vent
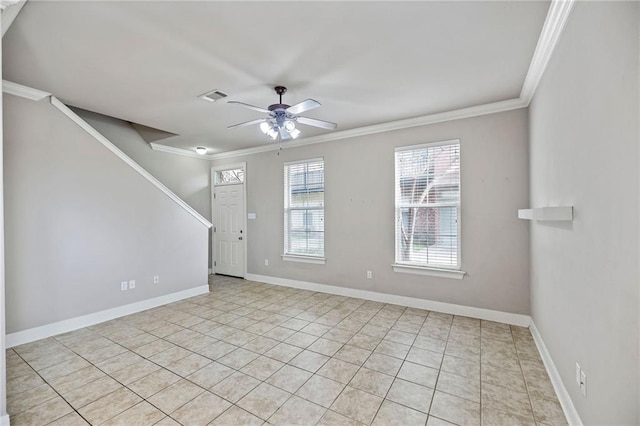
{"x": 213, "y": 95}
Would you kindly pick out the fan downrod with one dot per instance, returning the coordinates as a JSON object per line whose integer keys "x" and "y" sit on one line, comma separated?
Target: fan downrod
{"x": 280, "y": 90}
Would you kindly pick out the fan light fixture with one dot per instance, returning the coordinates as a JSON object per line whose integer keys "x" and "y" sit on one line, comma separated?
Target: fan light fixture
{"x": 201, "y": 150}
{"x": 282, "y": 118}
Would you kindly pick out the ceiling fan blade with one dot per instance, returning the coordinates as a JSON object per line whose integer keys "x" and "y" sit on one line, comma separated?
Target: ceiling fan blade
{"x": 284, "y": 135}
{"x": 248, "y": 123}
{"x": 253, "y": 107}
{"x": 316, "y": 123}
{"x": 303, "y": 106}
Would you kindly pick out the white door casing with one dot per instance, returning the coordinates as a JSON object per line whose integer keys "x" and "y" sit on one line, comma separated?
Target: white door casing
{"x": 229, "y": 236}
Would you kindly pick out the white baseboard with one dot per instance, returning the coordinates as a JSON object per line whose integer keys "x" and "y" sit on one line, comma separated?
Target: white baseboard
{"x": 4, "y": 420}
{"x": 569, "y": 409}
{"x": 210, "y": 271}
{"x": 42, "y": 332}
{"x": 448, "y": 308}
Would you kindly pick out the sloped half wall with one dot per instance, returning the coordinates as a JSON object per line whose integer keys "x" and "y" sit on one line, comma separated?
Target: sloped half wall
{"x": 79, "y": 221}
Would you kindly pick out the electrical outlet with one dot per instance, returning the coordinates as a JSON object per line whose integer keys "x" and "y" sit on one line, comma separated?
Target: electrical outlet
{"x": 156, "y": 279}
{"x": 578, "y": 371}
{"x": 583, "y": 383}
{"x": 132, "y": 284}
{"x": 123, "y": 286}
{"x": 369, "y": 275}
{"x": 266, "y": 262}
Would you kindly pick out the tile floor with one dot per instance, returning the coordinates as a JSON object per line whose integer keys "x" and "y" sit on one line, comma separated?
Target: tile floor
{"x": 249, "y": 353}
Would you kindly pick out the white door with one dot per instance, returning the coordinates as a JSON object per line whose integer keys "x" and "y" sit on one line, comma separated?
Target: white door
{"x": 228, "y": 236}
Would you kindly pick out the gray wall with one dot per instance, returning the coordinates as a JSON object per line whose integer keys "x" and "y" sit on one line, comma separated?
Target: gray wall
{"x": 584, "y": 152}
{"x": 79, "y": 220}
{"x": 189, "y": 178}
{"x": 359, "y": 213}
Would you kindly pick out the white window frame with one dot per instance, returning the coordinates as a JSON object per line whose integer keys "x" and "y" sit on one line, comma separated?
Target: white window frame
{"x": 444, "y": 272}
{"x": 295, "y": 257}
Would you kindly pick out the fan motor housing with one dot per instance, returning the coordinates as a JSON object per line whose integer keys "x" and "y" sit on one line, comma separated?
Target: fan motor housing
{"x": 275, "y": 107}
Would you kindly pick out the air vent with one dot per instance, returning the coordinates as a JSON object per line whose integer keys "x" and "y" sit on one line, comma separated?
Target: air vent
{"x": 213, "y": 95}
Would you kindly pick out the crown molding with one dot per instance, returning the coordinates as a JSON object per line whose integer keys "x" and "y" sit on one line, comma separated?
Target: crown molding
{"x": 7, "y": 3}
{"x": 9, "y": 14}
{"x": 551, "y": 30}
{"x": 178, "y": 151}
{"x": 16, "y": 89}
{"x": 424, "y": 120}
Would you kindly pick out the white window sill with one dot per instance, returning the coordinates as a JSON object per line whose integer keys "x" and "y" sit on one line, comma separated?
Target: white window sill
{"x": 434, "y": 272}
{"x": 304, "y": 259}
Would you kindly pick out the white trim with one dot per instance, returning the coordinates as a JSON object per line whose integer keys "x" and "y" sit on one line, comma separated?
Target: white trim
{"x": 434, "y": 272}
{"x": 424, "y": 120}
{"x": 124, "y": 157}
{"x": 7, "y": 3}
{"x": 412, "y": 302}
{"x": 4, "y": 420}
{"x": 42, "y": 332}
{"x": 9, "y": 14}
{"x": 304, "y": 259}
{"x": 426, "y": 145}
{"x": 210, "y": 271}
{"x": 179, "y": 151}
{"x": 16, "y": 89}
{"x": 304, "y": 161}
{"x": 569, "y": 409}
{"x": 551, "y": 30}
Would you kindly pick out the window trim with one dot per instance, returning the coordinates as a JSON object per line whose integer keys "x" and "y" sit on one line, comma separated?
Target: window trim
{"x": 433, "y": 270}
{"x": 295, "y": 257}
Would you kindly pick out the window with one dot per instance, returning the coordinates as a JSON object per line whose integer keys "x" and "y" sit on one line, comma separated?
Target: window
{"x": 231, "y": 176}
{"x": 304, "y": 208}
{"x": 428, "y": 205}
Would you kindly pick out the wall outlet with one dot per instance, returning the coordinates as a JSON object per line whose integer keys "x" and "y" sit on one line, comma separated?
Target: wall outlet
{"x": 123, "y": 286}
{"x": 132, "y": 284}
{"x": 266, "y": 262}
{"x": 583, "y": 383}
{"x": 369, "y": 275}
{"x": 578, "y": 371}
{"x": 156, "y": 279}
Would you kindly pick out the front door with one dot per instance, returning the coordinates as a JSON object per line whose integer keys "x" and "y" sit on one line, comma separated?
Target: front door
{"x": 228, "y": 236}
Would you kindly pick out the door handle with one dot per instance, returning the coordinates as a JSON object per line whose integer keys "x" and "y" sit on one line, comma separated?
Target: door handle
{"x": 240, "y": 238}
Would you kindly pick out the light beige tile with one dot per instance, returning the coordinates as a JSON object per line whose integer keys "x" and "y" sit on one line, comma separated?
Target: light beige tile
{"x": 309, "y": 361}
{"x": 238, "y": 358}
{"x": 548, "y": 411}
{"x": 135, "y": 372}
{"x": 372, "y": 381}
{"x": 316, "y": 329}
{"x": 109, "y": 406}
{"x": 410, "y": 394}
{"x": 392, "y": 414}
{"x": 456, "y": 410}
{"x": 216, "y": 350}
{"x": 90, "y": 392}
{"x": 152, "y": 348}
{"x": 321, "y": 390}
{"x": 234, "y": 387}
{"x": 504, "y": 399}
{"x": 400, "y": 337}
{"x": 297, "y": 411}
{"x": 364, "y": 341}
{"x": 189, "y": 364}
{"x": 396, "y": 350}
{"x": 352, "y": 354}
{"x": 279, "y": 333}
{"x": 357, "y": 405}
{"x": 264, "y": 400}
{"x": 325, "y": 347}
{"x": 29, "y": 399}
{"x": 461, "y": 386}
{"x": 383, "y": 363}
{"x": 44, "y": 413}
{"x": 236, "y": 416}
{"x": 201, "y": 410}
{"x": 301, "y": 340}
{"x": 169, "y": 356}
{"x": 331, "y": 418}
{"x": 154, "y": 383}
{"x": 140, "y": 414}
{"x": 501, "y": 418}
{"x": 283, "y": 352}
{"x": 419, "y": 374}
{"x": 460, "y": 350}
{"x": 338, "y": 370}
{"x": 461, "y": 366}
{"x": 118, "y": 362}
{"x": 501, "y": 377}
{"x": 49, "y": 360}
{"x": 167, "y": 421}
{"x": 261, "y": 345}
{"x": 289, "y": 378}
{"x": 175, "y": 396}
{"x": 71, "y": 419}
{"x": 64, "y": 368}
{"x": 262, "y": 367}
{"x": 209, "y": 376}
{"x": 425, "y": 357}
{"x": 430, "y": 344}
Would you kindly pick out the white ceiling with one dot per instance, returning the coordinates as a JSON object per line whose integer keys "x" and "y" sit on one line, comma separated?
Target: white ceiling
{"x": 366, "y": 62}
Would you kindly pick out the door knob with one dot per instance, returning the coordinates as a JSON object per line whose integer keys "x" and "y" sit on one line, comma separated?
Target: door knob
{"x": 239, "y": 238}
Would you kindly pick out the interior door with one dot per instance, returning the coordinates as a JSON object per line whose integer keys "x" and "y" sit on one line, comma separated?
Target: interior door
{"x": 228, "y": 236}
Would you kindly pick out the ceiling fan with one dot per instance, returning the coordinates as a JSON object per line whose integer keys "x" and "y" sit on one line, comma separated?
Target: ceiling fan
{"x": 282, "y": 118}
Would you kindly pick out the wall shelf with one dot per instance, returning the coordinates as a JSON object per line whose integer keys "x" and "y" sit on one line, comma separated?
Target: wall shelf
{"x": 547, "y": 213}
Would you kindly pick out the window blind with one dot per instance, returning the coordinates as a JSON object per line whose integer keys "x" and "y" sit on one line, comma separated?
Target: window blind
{"x": 304, "y": 208}
{"x": 427, "y": 189}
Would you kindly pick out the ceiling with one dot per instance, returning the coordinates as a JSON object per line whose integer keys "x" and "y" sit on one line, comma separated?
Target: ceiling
{"x": 366, "y": 62}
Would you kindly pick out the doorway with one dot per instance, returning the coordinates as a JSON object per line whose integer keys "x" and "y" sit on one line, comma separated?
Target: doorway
{"x": 229, "y": 220}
